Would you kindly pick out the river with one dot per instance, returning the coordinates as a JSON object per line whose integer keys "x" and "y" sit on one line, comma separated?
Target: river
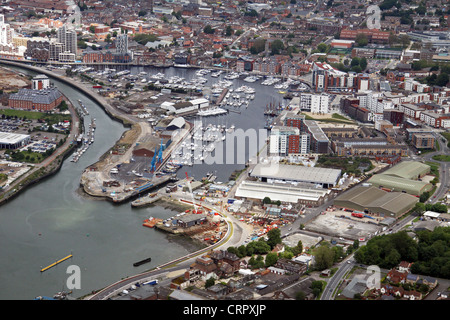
{"x": 53, "y": 219}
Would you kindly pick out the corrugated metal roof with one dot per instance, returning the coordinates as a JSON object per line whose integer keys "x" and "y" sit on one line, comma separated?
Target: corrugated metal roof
{"x": 282, "y": 192}
{"x": 408, "y": 169}
{"x": 400, "y": 184}
{"x": 297, "y": 173}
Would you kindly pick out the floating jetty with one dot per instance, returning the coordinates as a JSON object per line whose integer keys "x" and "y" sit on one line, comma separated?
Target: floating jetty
{"x": 151, "y": 222}
{"x": 137, "y": 264}
{"x": 149, "y": 199}
{"x": 55, "y": 263}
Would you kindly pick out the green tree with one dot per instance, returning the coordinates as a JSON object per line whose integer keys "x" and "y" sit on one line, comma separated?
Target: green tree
{"x": 442, "y": 80}
{"x": 361, "y": 39}
{"x": 324, "y": 257}
{"x": 317, "y": 287}
{"x": 271, "y": 259}
{"x": 356, "y": 244}
{"x": 267, "y": 200}
{"x": 274, "y": 237}
{"x": 208, "y": 29}
{"x": 300, "y": 295}
{"x": 322, "y": 47}
{"x": 276, "y": 46}
{"x": 363, "y": 63}
{"x": 229, "y": 31}
{"x": 209, "y": 282}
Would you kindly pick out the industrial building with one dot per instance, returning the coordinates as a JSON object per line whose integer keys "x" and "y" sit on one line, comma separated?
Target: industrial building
{"x": 409, "y": 170}
{"x": 257, "y": 190}
{"x": 374, "y": 201}
{"x": 323, "y": 177}
{"x": 404, "y": 177}
{"x": 393, "y": 183}
{"x": 186, "y": 107}
{"x": 13, "y": 140}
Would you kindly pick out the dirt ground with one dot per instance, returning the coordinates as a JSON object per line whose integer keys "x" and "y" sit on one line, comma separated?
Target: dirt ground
{"x": 333, "y": 225}
{"x": 10, "y": 80}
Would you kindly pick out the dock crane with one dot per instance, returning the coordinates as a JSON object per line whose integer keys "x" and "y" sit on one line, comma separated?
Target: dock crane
{"x": 157, "y": 157}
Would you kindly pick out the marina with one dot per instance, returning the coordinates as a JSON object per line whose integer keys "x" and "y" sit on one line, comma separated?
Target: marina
{"x": 84, "y": 141}
{"x": 104, "y": 220}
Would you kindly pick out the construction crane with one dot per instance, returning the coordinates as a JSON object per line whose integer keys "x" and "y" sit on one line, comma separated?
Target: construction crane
{"x": 188, "y": 181}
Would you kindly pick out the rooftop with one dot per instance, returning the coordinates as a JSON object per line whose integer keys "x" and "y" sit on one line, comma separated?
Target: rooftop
{"x": 281, "y": 192}
{"x": 297, "y": 173}
{"x": 11, "y": 138}
{"x": 408, "y": 169}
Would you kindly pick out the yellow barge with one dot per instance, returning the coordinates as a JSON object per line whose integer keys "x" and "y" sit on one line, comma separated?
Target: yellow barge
{"x": 55, "y": 263}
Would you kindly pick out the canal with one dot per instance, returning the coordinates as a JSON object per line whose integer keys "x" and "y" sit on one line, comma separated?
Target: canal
{"x": 54, "y": 219}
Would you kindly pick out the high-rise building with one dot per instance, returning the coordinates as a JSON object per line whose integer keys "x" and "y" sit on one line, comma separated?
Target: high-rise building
{"x": 122, "y": 43}
{"x": 315, "y": 103}
{"x": 55, "y": 48}
{"x": 68, "y": 37}
{"x": 6, "y": 33}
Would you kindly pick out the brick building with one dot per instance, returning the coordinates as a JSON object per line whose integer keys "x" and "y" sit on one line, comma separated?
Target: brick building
{"x": 39, "y": 100}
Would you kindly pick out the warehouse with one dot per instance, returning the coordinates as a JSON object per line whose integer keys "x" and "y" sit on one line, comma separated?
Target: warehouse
{"x": 13, "y": 140}
{"x": 256, "y": 190}
{"x": 39, "y": 100}
{"x": 375, "y": 201}
{"x": 393, "y": 183}
{"x": 323, "y": 177}
{"x": 409, "y": 170}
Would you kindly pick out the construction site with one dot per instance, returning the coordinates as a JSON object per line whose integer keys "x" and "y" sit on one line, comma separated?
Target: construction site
{"x": 132, "y": 166}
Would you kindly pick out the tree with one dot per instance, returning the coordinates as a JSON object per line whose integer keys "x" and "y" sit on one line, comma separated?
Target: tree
{"x": 251, "y": 13}
{"x": 324, "y": 257}
{"x": 208, "y": 29}
{"x": 354, "y": 62}
{"x": 442, "y": 80}
{"x": 276, "y": 46}
{"x": 267, "y": 200}
{"x": 317, "y": 287}
{"x": 274, "y": 237}
{"x": 229, "y": 31}
{"x": 361, "y": 39}
{"x": 393, "y": 258}
{"x": 210, "y": 282}
{"x": 363, "y": 63}
{"x": 300, "y": 246}
{"x": 271, "y": 259}
{"x": 300, "y": 295}
{"x": 322, "y": 47}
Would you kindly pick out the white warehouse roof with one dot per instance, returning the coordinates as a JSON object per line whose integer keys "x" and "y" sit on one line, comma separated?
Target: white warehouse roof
{"x": 282, "y": 192}
{"x": 12, "y": 138}
{"x": 297, "y": 173}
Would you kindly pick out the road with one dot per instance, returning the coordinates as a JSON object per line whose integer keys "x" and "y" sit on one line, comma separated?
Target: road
{"x": 444, "y": 180}
{"x": 236, "y": 235}
{"x": 333, "y": 283}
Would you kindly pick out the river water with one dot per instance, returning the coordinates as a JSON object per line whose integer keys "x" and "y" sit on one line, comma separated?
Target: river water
{"x": 53, "y": 219}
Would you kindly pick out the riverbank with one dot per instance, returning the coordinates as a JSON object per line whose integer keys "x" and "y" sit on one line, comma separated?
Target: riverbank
{"x": 50, "y": 165}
